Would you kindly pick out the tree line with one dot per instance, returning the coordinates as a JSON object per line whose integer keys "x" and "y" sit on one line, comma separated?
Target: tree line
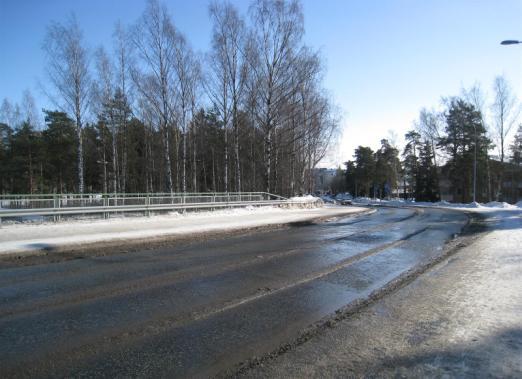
{"x": 456, "y": 145}
{"x": 152, "y": 115}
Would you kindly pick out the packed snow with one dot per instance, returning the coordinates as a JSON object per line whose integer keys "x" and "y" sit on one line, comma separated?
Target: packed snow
{"x": 440, "y": 204}
{"x": 22, "y": 237}
{"x": 305, "y": 199}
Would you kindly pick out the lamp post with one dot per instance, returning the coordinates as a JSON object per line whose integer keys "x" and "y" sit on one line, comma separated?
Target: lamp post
{"x": 475, "y": 166}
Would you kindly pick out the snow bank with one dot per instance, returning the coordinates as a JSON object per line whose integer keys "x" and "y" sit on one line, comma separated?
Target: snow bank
{"x": 503, "y": 205}
{"x": 33, "y": 237}
{"x": 305, "y": 199}
{"x": 441, "y": 204}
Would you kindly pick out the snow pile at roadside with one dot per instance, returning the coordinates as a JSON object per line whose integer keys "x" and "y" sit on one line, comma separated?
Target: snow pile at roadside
{"x": 51, "y": 236}
{"x": 248, "y": 210}
{"x": 503, "y": 205}
{"x": 440, "y": 204}
{"x": 223, "y": 212}
{"x": 305, "y": 199}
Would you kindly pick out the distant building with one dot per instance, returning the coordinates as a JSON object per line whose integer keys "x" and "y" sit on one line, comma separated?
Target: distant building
{"x": 323, "y": 178}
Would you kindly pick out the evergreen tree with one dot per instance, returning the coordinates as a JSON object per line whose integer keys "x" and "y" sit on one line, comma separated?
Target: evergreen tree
{"x": 136, "y": 143}
{"x": 350, "y": 177}
{"x": 427, "y": 181}
{"x": 516, "y": 147}
{"x": 465, "y": 131}
{"x": 5, "y": 157}
{"x": 364, "y": 171}
{"x": 411, "y": 161}
{"x": 387, "y": 165}
{"x": 60, "y": 151}
{"x": 25, "y": 159}
{"x": 516, "y": 160}
{"x": 338, "y": 183}
{"x": 95, "y": 164}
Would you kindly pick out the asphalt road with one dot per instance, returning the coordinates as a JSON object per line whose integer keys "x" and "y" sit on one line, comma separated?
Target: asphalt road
{"x": 200, "y": 309}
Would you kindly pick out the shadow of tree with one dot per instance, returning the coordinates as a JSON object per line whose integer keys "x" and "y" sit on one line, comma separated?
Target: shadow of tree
{"x": 41, "y": 246}
{"x": 500, "y": 355}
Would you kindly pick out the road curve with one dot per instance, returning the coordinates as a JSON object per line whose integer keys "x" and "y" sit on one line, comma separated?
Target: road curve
{"x": 201, "y": 308}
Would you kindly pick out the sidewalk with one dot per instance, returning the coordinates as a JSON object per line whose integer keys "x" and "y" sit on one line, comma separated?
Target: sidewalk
{"x": 27, "y": 238}
{"x": 463, "y": 318}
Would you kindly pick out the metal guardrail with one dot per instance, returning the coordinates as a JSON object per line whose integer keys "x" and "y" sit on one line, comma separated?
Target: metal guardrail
{"x": 58, "y": 205}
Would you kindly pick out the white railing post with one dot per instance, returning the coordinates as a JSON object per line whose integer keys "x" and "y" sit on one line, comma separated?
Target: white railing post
{"x": 105, "y": 205}
{"x": 55, "y": 206}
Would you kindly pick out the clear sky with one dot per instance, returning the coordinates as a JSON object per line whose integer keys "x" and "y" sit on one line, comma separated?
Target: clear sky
{"x": 385, "y": 59}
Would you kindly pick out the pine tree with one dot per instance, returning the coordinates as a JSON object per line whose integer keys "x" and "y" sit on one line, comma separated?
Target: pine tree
{"x": 516, "y": 147}
{"x": 427, "y": 181}
{"x": 60, "y": 151}
{"x": 5, "y": 157}
{"x": 26, "y": 155}
{"x": 411, "y": 160}
{"x": 350, "y": 177}
{"x": 465, "y": 131}
{"x": 364, "y": 170}
{"x": 516, "y": 159}
{"x": 387, "y": 165}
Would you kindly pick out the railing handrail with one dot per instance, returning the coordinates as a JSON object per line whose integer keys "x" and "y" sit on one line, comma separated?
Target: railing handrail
{"x": 219, "y": 200}
{"x": 130, "y": 194}
{"x": 57, "y": 211}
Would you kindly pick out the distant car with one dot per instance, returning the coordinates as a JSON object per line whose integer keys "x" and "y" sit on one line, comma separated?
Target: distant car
{"x": 346, "y": 202}
{"x": 327, "y": 199}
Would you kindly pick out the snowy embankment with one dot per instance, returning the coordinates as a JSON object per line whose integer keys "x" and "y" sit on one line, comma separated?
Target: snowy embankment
{"x": 491, "y": 206}
{"x": 77, "y": 234}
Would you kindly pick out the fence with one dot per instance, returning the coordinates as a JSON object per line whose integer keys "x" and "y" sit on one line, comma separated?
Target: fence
{"x": 58, "y": 205}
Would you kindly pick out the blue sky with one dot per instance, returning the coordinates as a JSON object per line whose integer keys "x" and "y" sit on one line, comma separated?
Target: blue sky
{"x": 385, "y": 59}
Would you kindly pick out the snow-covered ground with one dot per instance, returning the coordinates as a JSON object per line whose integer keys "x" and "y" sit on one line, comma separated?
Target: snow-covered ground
{"x": 305, "y": 199}
{"x": 491, "y": 206}
{"x": 21, "y": 237}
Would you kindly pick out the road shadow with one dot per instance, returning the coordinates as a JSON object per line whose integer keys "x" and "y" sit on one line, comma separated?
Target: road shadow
{"x": 41, "y": 246}
{"x": 498, "y": 220}
{"x": 499, "y": 355}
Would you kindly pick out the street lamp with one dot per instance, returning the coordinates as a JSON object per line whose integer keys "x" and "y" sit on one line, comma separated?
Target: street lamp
{"x": 510, "y": 42}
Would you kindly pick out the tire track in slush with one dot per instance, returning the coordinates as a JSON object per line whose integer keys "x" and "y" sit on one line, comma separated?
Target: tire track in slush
{"x": 161, "y": 280}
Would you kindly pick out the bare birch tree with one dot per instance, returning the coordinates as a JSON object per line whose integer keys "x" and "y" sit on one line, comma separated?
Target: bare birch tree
{"x": 187, "y": 74}
{"x": 505, "y": 112}
{"x": 29, "y": 109}
{"x": 104, "y": 91}
{"x": 122, "y": 55}
{"x": 277, "y": 34}
{"x": 68, "y": 72}
{"x": 228, "y": 41}
{"x": 10, "y": 114}
{"x": 153, "y": 39}
{"x": 429, "y": 127}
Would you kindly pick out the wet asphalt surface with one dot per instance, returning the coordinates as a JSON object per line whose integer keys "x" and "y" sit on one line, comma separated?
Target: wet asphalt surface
{"x": 202, "y": 308}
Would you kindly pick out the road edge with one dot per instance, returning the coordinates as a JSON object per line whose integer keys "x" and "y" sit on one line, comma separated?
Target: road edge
{"x": 471, "y": 232}
{"x": 97, "y": 249}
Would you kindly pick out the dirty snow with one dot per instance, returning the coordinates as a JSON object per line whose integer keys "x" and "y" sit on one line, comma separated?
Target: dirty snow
{"x": 15, "y": 238}
{"x": 474, "y": 206}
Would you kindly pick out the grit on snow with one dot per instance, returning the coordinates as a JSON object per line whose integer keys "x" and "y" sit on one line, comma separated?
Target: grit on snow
{"x": 22, "y": 237}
